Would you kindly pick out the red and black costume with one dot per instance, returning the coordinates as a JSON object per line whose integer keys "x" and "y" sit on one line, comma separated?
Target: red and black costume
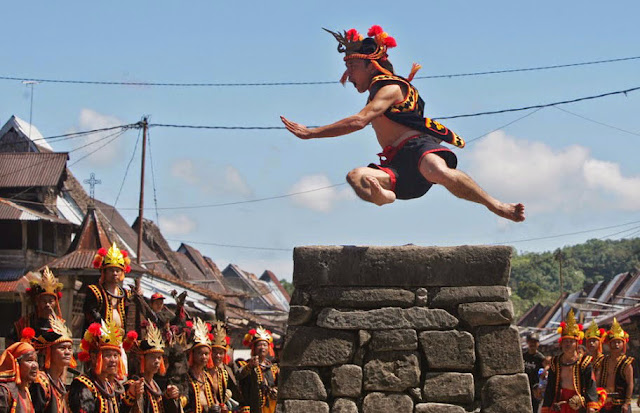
{"x": 401, "y": 160}
{"x": 584, "y": 385}
{"x": 618, "y": 399}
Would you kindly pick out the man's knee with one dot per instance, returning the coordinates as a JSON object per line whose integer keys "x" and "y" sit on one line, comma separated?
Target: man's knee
{"x": 355, "y": 176}
{"x": 435, "y": 169}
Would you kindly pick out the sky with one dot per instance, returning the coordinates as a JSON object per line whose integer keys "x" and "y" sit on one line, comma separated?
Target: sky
{"x": 575, "y": 175}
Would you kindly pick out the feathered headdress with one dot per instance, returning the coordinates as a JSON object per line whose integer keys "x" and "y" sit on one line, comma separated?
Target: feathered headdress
{"x": 58, "y": 333}
{"x": 200, "y": 336}
{"x": 152, "y": 343}
{"x": 221, "y": 340}
{"x": 258, "y": 334}
{"x": 570, "y": 329}
{"x": 373, "y": 48}
{"x": 114, "y": 257}
{"x": 48, "y": 284}
{"x": 105, "y": 336}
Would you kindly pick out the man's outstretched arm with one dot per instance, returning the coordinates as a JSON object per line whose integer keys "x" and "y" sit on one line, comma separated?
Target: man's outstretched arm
{"x": 386, "y": 96}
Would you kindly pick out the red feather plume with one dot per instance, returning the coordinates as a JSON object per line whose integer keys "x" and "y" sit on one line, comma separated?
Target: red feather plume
{"x": 28, "y": 333}
{"x": 84, "y": 356}
{"x": 95, "y": 329}
{"x": 375, "y": 29}
{"x": 390, "y": 42}
{"x": 125, "y": 254}
{"x": 103, "y": 252}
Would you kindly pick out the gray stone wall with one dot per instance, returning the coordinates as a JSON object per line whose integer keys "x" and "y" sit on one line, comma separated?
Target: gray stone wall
{"x": 402, "y": 329}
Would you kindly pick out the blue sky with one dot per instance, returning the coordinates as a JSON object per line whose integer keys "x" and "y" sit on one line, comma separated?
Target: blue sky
{"x": 573, "y": 175}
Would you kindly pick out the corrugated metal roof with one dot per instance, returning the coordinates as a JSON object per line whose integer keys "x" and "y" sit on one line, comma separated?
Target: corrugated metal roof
{"x": 15, "y": 212}
{"x": 24, "y": 169}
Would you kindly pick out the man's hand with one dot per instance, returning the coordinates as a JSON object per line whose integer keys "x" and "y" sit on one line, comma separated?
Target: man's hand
{"x": 136, "y": 388}
{"x": 254, "y": 361}
{"x": 172, "y": 392}
{"x": 297, "y": 129}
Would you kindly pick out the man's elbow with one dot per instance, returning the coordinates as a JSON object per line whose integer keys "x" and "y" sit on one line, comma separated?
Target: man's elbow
{"x": 359, "y": 122}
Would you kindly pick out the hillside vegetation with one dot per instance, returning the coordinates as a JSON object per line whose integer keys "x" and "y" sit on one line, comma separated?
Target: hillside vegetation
{"x": 535, "y": 276}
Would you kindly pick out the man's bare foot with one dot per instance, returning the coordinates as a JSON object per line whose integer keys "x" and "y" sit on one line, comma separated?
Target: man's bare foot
{"x": 379, "y": 195}
{"x": 514, "y": 212}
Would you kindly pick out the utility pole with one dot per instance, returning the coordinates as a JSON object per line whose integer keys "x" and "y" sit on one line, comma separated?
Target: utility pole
{"x": 559, "y": 256}
{"x": 145, "y": 126}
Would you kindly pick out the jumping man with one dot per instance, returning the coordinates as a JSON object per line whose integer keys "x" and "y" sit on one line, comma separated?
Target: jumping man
{"x": 412, "y": 159}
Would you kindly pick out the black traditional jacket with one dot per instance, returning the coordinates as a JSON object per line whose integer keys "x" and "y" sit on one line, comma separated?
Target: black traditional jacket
{"x": 620, "y": 381}
{"x": 259, "y": 386}
{"x": 98, "y": 305}
{"x": 47, "y": 396}
{"x": 410, "y": 111}
{"x": 191, "y": 403}
{"x": 88, "y": 396}
{"x": 583, "y": 382}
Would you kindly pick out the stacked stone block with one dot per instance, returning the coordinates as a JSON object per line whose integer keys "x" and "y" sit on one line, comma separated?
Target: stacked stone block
{"x": 402, "y": 329}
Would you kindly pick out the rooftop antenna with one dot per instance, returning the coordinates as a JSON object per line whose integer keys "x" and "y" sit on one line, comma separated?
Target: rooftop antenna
{"x": 31, "y": 83}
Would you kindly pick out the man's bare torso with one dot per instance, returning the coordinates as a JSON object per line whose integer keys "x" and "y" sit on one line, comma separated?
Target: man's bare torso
{"x": 389, "y": 132}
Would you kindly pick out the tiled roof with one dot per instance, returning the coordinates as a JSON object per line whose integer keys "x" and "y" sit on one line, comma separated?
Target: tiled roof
{"x": 25, "y": 169}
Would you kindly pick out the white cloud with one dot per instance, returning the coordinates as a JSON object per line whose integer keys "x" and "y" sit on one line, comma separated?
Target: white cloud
{"x": 321, "y": 200}
{"x": 177, "y": 225}
{"x": 547, "y": 179}
{"x": 90, "y": 120}
{"x": 211, "y": 178}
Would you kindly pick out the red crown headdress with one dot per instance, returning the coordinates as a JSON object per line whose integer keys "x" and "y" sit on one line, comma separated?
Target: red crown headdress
{"x": 373, "y": 48}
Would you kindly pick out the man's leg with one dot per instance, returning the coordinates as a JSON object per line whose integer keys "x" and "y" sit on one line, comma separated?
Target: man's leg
{"x": 435, "y": 170}
{"x": 371, "y": 185}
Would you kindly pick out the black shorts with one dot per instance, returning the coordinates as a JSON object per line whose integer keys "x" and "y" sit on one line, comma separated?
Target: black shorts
{"x": 403, "y": 161}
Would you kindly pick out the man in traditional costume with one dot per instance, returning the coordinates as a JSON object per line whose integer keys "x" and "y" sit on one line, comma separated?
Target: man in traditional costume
{"x": 412, "y": 159}
{"x": 259, "y": 376}
{"x": 94, "y": 392}
{"x": 44, "y": 295}
{"x": 227, "y": 387}
{"x": 594, "y": 337}
{"x": 49, "y": 392}
{"x": 154, "y": 399}
{"x": 571, "y": 385}
{"x": 108, "y": 300}
{"x": 18, "y": 369}
{"x": 616, "y": 371}
{"x": 202, "y": 395}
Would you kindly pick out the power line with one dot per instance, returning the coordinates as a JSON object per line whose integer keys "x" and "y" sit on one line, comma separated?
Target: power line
{"x": 72, "y": 150}
{"x": 153, "y": 178}
{"x": 502, "y": 243}
{"x": 540, "y": 106}
{"x": 247, "y": 201}
{"x": 565, "y": 234}
{"x": 117, "y": 135}
{"x": 231, "y": 246}
{"x": 126, "y": 172}
{"x": 249, "y": 84}
{"x": 505, "y": 125}
{"x": 563, "y": 102}
{"x": 73, "y": 135}
{"x": 597, "y": 122}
